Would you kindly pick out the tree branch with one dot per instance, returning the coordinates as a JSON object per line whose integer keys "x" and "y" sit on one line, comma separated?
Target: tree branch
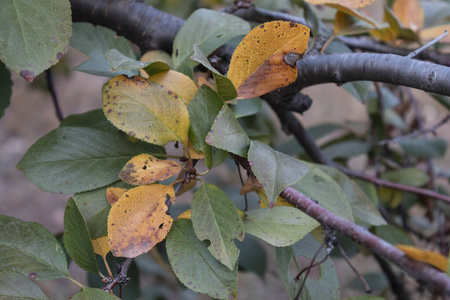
{"x": 140, "y": 23}
{"x": 438, "y": 282}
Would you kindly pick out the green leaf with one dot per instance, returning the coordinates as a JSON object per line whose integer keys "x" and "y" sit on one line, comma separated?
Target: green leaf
{"x": 94, "y": 119}
{"x": 31, "y": 250}
{"x": 252, "y": 256}
{"x": 75, "y": 159}
{"x": 208, "y": 29}
{"x": 5, "y": 88}
{"x": 215, "y": 218}
{"x": 364, "y": 211}
{"x": 95, "y": 207}
{"x": 225, "y": 88}
{"x": 246, "y": 107}
{"x": 280, "y": 226}
{"x": 444, "y": 100}
{"x": 346, "y": 149}
{"x": 393, "y": 235}
{"x": 275, "y": 170}
{"x": 146, "y": 110}
{"x": 77, "y": 240}
{"x": 366, "y": 298}
{"x": 33, "y": 35}
{"x": 408, "y": 176}
{"x": 325, "y": 287}
{"x": 326, "y": 191}
{"x": 94, "y": 41}
{"x": 424, "y": 147}
{"x": 359, "y": 89}
{"x": 195, "y": 266}
{"x": 203, "y": 109}
{"x": 93, "y": 294}
{"x": 120, "y": 62}
{"x": 226, "y": 133}
{"x": 16, "y": 286}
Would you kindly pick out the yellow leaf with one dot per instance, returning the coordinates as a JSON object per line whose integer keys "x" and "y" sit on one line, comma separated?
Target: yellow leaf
{"x": 390, "y": 196}
{"x": 145, "y": 110}
{"x": 114, "y": 193}
{"x": 433, "y": 32}
{"x": 145, "y": 169}
{"x": 265, "y": 203}
{"x": 178, "y": 83}
{"x": 258, "y": 65}
{"x": 101, "y": 246}
{"x": 432, "y": 258}
{"x": 342, "y": 21}
{"x": 138, "y": 221}
{"x": 251, "y": 185}
{"x": 410, "y": 13}
{"x": 345, "y": 3}
{"x": 185, "y": 215}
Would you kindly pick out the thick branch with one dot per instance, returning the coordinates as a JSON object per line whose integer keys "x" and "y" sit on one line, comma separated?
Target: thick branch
{"x": 387, "y": 68}
{"x": 438, "y": 282}
{"x": 144, "y": 25}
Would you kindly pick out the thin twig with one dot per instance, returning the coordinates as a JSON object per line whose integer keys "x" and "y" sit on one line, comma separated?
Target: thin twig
{"x": 308, "y": 270}
{"x": 344, "y": 255}
{"x": 52, "y": 91}
{"x": 242, "y": 182}
{"x": 121, "y": 277}
{"x": 415, "y": 133}
{"x": 428, "y": 45}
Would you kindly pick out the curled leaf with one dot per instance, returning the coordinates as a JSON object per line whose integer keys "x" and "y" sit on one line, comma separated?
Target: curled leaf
{"x": 432, "y": 258}
{"x": 258, "y": 65}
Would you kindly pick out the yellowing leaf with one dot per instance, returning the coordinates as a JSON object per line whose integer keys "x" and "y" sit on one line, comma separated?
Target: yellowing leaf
{"x": 251, "y": 185}
{"x": 138, "y": 221}
{"x": 101, "y": 246}
{"x": 264, "y": 202}
{"x": 161, "y": 61}
{"x": 410, "y": 13}
{"x": 433, "y": 32}
{"x": 145, "y": 109}
{"x": 356, "y": 13}
{"x": 177, "y": 82}
{"x": 145, "y": 169}
{"x": 258, "y": 66}
{"x": 113, "y": 194}
{"x": 344, "y": 3}
{"x": 185, "y": 215}
{"x": 432, "y": 258}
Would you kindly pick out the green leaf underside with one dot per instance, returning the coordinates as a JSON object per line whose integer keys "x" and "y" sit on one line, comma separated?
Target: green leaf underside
{"x": 275, "y": 170}
{"x": 5, "y": 88}
{"x": 225, "y": 88}
{"x": 14, "y": 285}
{"x": 31, "y": 250}
{"x": 145, "y": 110}
{"x": 208, "y": 29}
{"x": 362, "y": 207}
{"x": 246, "y": 107}
{"x": 93, "y": 294}
{"x": 280, "y": 226}
{"x": 322, "y": 188}
{"x": 34, "y": 35}
{"x": 75, "y": 159}
{"x": 215, "y": 218}
{"x": 226, "y": 133}
{"x": 94, "y": 41}
{"x": 203, "y": 109}
{"x": 409, "y": 176}
{"x": 326, "y": 287}
{"x": 77, "y": 240}
{"x": 120, "y": 62}
{"x": 195, "y": 266}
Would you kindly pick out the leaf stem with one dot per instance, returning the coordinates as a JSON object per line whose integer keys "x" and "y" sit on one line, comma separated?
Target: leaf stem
{"x": 76, "y": 282}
